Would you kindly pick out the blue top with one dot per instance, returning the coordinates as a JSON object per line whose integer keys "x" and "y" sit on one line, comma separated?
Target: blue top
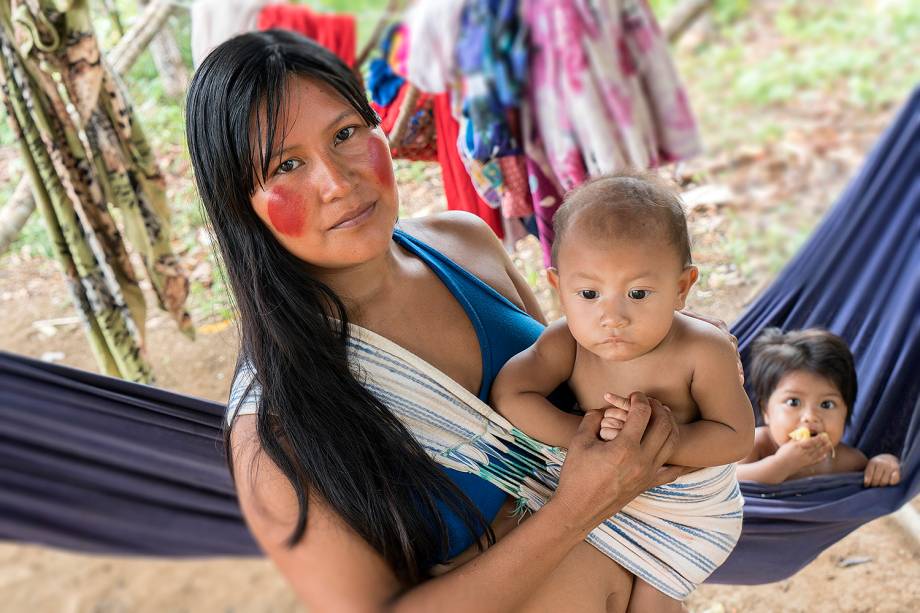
{"x": 503, "y": 330}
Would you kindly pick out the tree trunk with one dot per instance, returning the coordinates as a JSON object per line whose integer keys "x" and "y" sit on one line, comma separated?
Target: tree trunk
{"x": 15, "y": 214}
{"x": 166, "y": 55}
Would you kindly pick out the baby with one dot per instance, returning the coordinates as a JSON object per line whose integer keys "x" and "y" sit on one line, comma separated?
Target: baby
{"x": 805, "y": 383}
{"x": 622, "y": 269}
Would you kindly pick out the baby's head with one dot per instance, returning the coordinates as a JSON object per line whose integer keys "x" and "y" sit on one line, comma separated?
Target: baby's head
{"x": 803, "y": 379}
{"x": 621, "y": 263}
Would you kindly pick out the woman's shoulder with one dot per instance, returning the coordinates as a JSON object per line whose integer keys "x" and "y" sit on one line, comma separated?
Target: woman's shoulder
{"x": 457, "y": 234}
{"x": 470, "y": 243}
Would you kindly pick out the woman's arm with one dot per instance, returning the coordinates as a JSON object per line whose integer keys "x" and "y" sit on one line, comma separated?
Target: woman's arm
{"x": 521, "y": 387}
{"x": 333, "y": 569}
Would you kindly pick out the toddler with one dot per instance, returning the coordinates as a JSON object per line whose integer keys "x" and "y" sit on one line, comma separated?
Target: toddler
{"x": 805, "y": 383}
{"x": 622, "y": 269}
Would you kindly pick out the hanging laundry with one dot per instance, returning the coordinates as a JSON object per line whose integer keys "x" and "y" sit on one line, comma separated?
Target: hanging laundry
{"x": 491, "y": 68}
{"x": 461, "y": 195}
{"x": 215, "y": 21}
{"x": 433, "y": 27}
{"x": 336, "y": 32}
{"x": 603, "y": 90}
{"x": 388, "y": 89}
{"x": 86, "y": 153}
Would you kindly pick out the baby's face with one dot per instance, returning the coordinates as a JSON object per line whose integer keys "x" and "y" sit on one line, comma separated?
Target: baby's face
{"x": 619, "y": 299}
{"x": 803, "y": 398}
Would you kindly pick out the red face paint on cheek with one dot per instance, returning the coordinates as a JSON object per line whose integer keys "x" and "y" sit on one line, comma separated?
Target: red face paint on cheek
{"x": 286, "y": 211}
{"x": 379, "y": 155}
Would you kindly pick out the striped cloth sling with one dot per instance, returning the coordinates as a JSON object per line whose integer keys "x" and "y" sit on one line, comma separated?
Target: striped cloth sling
{"x": 671, "y": 536}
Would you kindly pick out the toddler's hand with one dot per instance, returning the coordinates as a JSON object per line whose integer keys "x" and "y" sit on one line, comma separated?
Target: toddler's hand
{"x": 801, "y": 454}
{"x": 882, "y": 470}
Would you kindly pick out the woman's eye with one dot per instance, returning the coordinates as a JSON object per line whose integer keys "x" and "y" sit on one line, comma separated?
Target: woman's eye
{"x": 828, "y": 404}
{"x": 287, "y": 166}
{"x": 344, "y": 134}
{"x": 588, "y": 294}
{"x": 639, "y": 294}
{"x": 793, "y": 402}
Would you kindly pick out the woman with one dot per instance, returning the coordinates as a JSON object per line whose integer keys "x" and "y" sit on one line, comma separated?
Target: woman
{"x": 298, "y": 184}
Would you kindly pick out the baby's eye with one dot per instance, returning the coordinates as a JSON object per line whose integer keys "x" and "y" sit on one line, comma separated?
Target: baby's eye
{"x": 828, "y": 404}
{"x": 639, "y": 294}
{"x": 344, "y": 134}
{"x": 588, "y": 294}
{"x": 793, "y": 402}
{"x": 287, "y": 166}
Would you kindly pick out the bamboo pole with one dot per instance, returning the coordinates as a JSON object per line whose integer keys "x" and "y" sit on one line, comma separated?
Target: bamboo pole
{"x": 16, "y": 212}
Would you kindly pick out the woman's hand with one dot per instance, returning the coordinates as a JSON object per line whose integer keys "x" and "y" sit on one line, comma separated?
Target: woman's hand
{"x": 600, "y": 477}
{"x": 796, "y": 455}
{"x": 882, "y": 470}
{"x": 721, "y": 325}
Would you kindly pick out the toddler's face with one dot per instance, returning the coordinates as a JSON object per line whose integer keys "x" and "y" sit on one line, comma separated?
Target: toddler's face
{"x": 803, "y": 398}
{"x": 619, "y": 299}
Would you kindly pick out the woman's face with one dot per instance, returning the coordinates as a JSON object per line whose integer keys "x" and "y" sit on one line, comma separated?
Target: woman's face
{"x": 329, "y": 196}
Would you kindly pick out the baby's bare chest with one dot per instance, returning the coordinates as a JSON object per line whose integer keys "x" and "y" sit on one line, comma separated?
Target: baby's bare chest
{"x": 666, "y": 378}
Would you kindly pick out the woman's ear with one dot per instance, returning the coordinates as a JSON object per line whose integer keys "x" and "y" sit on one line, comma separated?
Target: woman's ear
{"x": 687, "y": 278}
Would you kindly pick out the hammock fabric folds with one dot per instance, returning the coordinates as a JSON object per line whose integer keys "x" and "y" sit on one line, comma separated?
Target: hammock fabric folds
{"x": 102, "y": 465}
{"x": 98, "y": 464}
{"x": 858, "y": 276}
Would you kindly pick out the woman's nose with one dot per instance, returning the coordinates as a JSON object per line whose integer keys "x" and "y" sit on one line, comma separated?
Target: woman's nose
{"x": 332, "y": 179}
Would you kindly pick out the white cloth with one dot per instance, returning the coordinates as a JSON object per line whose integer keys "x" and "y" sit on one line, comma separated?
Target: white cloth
{"x": 216, "y": 21}
{"x": 672, "y": 536}
{"x": 433, "y": 27}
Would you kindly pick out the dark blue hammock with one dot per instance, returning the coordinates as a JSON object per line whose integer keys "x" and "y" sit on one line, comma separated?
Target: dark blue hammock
{"x": 98, "y": 464}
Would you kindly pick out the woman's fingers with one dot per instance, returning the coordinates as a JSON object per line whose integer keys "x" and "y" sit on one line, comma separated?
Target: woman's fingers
{"x": 612, "y": 422}
{"x": 588, "y": 428}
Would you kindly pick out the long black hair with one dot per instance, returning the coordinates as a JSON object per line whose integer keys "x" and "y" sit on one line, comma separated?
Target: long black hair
{"x": 316, "y": 421}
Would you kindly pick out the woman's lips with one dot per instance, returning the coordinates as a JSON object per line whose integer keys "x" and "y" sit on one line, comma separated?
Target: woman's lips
{"x": 356, "y": 217}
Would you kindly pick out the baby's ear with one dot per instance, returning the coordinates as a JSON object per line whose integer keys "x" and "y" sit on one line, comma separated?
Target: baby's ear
{"x": 552, "y": 275}
{"x": 688, "y": 277}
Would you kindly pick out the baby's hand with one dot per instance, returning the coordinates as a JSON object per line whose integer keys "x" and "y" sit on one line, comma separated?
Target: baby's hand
{"x": 882, "y": 470}
{"x": 800, "y": 454}
{"x": 614, "y": 416}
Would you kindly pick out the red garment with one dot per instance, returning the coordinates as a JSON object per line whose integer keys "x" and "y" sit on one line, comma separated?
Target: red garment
{"x": 461, "y": 195}
{"x": 334, "y": 32}
{"x": 419, "y": 141}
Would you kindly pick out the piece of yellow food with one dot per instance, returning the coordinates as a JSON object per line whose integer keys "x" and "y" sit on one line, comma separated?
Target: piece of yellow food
{"x": 800, "y": 434}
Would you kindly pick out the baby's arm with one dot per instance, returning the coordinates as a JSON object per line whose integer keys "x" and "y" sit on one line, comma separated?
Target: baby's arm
{"x": 725, "y": 431}
{"x": 520, "y": 389}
